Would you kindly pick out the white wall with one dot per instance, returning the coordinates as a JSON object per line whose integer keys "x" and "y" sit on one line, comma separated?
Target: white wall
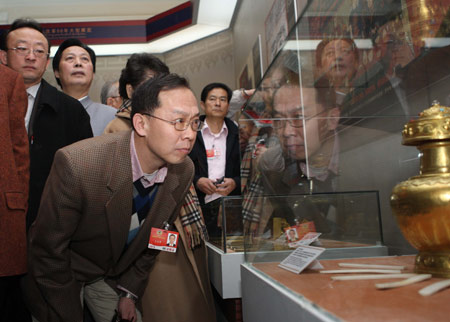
{"x": 249, "y": 22}
{"x": 205, "y": 61}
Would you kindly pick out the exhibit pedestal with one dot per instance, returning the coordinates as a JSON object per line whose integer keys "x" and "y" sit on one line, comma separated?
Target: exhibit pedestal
{"x": 270, "y": 293}
{"x": 225, "y": 273}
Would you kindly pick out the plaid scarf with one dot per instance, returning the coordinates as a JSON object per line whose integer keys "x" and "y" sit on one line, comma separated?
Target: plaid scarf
{"x": 251, "y": 187}
{"x": 192, "y": 219}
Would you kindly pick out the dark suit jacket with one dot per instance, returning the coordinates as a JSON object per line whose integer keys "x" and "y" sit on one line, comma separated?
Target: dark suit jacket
{"x": 14, "y": 173}
{"x": 59, "y": 120}
{"x": 232, "y": 167}
{"x": 83, "y": 223}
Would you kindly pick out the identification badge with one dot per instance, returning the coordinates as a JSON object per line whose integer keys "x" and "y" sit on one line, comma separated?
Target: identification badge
{"x": 164, "y": 240}
{"x": 295, "y": 233}
{"x": 210, "y": 153}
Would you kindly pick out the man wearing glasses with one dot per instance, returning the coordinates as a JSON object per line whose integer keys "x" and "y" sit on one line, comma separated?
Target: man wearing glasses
{"x": 53, "y": 119}
{"x": 306, "y": 158}
{"x": 103, "y": 198}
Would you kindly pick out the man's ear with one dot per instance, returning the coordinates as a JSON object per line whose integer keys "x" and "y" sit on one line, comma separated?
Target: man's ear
{"x": 333, "y": 118}
{"x": 140, "y": 125}
{"x": 3, "y": 57}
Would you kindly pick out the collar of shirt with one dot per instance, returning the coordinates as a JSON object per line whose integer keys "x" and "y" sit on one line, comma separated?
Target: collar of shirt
{"x": 321, "y": 174}
{"x": 147, "y": 180}
{"x": 207, "y": 130}
{"x": 84, "y": 97}
{"x": 32, "y": 90}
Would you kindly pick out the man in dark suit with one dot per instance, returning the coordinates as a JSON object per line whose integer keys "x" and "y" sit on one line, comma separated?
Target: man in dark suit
{"x": 216, "y": 154}
{"x": 53, "y": 119}
{"x": 14, "y": 176}
{"x": 101, "y": 200}
{"x": 74, "y": 68}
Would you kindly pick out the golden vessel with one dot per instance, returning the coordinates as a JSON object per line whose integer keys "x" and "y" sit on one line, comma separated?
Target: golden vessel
{"x": 421, "y": 204}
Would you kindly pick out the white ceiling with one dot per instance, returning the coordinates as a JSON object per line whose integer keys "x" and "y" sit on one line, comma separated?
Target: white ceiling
{"x": 83, "y": 10}
{"x": 211, "y": 17}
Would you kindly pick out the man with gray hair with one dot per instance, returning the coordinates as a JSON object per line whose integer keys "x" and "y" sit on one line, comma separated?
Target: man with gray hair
{"x": 109, "y": 94}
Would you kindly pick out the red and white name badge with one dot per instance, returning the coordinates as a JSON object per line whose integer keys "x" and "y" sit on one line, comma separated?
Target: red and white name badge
{"x": 164, "y": 240}
{"x": 210, "y": 153}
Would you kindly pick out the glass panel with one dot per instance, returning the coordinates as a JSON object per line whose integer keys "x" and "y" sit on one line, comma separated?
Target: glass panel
{"x": 328, "y": 114}
{"x": 345, "y": 220}
{"x": 226, "y": 230}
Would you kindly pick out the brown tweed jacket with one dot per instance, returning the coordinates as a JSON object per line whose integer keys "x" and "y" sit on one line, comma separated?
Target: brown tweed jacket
{"x": 83, "y": 222}
{"x": 14, "y": 173}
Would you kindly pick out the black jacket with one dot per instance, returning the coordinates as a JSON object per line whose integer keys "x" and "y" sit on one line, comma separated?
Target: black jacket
{"x": 57, "y": 121}
{"x": 232, "y": 167}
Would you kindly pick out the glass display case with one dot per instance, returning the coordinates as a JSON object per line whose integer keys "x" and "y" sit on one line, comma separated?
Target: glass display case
{"x": 327, "y": 117}
{"x": 348, "y": 222}
{"x": 321, "y": 136}
{"x": 227, "y": 232}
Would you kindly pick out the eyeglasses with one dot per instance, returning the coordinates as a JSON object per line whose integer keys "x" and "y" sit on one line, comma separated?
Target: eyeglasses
{"x": 180, "y": 124}
{"x": 281, "y": 122}
{"x": 24, "y": 51}
{"x": 274, "y": 87}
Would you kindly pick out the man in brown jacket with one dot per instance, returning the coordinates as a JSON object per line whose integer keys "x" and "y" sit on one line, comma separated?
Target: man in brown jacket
{"x": 102, "y": 199}
{"x": 14, "y": 176}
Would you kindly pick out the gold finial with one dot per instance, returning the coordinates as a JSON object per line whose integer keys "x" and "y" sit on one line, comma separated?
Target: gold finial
{"x": 432, "y": 124}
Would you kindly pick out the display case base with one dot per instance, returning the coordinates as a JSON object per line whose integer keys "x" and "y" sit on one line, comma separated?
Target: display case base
{"x": 270, "y": 293}
{"x": 224, "y": 268}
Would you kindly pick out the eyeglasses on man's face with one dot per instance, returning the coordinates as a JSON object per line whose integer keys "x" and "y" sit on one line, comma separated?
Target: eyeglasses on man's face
{"x": 181, "y": 124}
{"x": 25, "y": 51}
{"x": 280, "y": 123}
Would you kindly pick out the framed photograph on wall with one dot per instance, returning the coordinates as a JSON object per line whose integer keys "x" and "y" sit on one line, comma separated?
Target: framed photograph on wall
{"x": 245, "y": 80}
{"x": 276, "y": 28}
{"x": 258, "y": 68}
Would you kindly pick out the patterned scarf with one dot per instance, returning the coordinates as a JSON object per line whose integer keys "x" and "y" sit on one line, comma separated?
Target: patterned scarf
{"x": 192, "y": 219}
{"x": 251, "y": 187}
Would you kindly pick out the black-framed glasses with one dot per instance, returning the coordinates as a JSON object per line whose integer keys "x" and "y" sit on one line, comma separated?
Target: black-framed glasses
{"x": 279, "y": 123}
{"x": 24, "y": 51}
{"x": 181, "y": 124}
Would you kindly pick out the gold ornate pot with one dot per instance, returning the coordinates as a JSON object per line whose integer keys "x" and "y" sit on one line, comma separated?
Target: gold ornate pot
{"x": 421, "y": 204}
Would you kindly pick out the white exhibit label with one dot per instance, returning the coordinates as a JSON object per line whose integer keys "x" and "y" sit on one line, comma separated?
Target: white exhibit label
{"x": 301, "y": 258}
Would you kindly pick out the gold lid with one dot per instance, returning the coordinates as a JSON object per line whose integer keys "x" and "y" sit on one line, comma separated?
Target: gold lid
{"x": 433, "y": 124}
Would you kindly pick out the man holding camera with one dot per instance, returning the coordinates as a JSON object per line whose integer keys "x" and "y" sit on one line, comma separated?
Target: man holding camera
{"x": 216, "y": 153}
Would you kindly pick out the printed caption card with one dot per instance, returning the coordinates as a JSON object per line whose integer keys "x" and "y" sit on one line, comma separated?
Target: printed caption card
{"x": 301, "y": 258}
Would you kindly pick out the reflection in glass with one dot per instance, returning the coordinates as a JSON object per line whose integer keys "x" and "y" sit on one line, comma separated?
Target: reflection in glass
{"x": 326, "y": 118}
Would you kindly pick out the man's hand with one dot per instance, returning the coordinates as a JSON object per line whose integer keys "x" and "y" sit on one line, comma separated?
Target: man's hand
{"x": 206, "y": 185}
{"x": 226, "y": 187}
{"x": 127, "y": 309}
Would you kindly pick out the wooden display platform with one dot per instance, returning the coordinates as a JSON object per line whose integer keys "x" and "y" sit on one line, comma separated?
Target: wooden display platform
{"x": 359, "y": 300}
